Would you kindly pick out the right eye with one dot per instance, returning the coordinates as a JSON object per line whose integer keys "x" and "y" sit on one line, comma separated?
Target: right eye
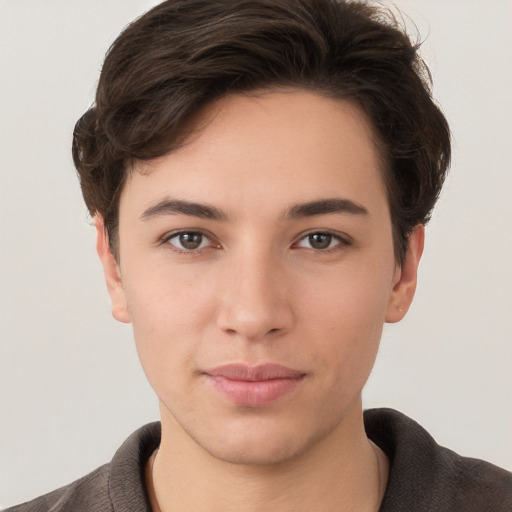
{"x": 189, "y": 241}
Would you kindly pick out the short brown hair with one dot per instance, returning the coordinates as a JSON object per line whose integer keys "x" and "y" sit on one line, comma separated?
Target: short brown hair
{"x": 182, "y": 54}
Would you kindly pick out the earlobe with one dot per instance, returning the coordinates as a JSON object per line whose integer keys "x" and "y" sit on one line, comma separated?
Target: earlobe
{"x": 406, "y": 277}
{"x": 112, "y": 274}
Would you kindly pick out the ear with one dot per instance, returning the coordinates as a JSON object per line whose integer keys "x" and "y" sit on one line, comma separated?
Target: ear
{"x": 406, "y": 277}
{"x": 112, "y": 273}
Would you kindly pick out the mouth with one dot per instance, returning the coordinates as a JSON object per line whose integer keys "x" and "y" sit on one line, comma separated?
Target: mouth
{"x": 254, "y": 386}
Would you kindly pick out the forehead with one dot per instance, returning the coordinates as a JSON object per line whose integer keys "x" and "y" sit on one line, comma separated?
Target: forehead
{"x": 258, "y": 146}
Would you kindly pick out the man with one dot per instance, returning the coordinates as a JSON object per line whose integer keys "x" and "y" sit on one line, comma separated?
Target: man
{"x": 260, "y": 174}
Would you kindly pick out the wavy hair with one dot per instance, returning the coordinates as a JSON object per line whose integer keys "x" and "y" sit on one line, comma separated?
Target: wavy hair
{"x": 182, "y": 54}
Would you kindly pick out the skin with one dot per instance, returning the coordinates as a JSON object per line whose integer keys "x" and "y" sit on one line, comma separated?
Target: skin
{"x": 259, "y": 289}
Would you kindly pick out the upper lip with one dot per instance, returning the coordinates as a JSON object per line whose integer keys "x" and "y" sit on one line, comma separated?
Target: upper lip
{"x": 262, "y": 372}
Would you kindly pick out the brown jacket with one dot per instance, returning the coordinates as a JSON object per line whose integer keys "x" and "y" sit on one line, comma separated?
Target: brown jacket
{"x": 424, "y": 477}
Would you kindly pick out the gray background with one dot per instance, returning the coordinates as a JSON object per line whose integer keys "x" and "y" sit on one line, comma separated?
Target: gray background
{"x": 71, "y": 388}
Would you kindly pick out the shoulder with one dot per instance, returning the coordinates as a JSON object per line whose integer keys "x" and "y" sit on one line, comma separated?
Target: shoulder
{"x": 425, "y": 476}
{"x": 90, "y": 491}
{"x": 118, "y": 485}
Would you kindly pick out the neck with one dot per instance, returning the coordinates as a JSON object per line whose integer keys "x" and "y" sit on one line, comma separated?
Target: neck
{"x": 339, "y": 474}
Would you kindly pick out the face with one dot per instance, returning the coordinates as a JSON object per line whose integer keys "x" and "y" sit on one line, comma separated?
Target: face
{"x": 257, "y": 268}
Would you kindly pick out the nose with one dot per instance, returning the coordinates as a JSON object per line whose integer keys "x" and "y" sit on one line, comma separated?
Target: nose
{"x": 256, "y": 301}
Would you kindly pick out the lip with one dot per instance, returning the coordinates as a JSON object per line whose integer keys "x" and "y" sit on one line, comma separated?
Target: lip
{"x": 254, "y": 386}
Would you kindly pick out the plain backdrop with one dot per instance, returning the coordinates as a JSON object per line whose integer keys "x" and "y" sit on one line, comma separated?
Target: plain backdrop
{"x": 71, "y": 386}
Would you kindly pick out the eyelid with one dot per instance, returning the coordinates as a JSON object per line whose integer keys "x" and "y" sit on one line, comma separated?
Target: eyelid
{"x": 165, "y": 239}
{"x": 344, "y": 239}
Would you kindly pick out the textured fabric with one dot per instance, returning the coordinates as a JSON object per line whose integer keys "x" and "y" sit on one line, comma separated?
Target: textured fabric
{"x": 424, "y": 477}
{"x": 118, "y": 486}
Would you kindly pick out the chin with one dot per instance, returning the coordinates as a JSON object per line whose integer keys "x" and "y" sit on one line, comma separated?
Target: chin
{"x": 253, "y": 452}
{"x": 258, "y": 443}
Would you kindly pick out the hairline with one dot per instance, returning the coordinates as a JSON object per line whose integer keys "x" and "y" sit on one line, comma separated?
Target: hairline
{"x": 196, "y": 122}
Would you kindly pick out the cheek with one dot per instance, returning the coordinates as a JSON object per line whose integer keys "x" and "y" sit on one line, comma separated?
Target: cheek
{"x": 353, "y": 298}
{"x": 347, "y": 312}
{"x": 169, "y": 313}
{"x": 167, "y": 297}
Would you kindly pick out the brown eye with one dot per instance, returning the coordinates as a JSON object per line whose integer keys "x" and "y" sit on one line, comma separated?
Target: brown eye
{"x": 189, "y": 240}
{"x": 320, "y": 240}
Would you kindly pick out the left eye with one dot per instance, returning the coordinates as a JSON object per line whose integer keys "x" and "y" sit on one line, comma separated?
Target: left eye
{"x": 319, "y": 241}
{"x": 189, "y": 240}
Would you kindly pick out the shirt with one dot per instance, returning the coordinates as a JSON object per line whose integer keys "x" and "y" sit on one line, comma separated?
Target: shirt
{"x": 423, "y": 477}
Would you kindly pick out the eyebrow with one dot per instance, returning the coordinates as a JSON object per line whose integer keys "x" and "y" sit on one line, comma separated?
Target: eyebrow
{"x": 325, "y": 206}
{"x": 300, "y": 210}
{"x": 177, "y": 206}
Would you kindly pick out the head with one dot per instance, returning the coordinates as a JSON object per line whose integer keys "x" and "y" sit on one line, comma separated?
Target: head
{"x": 168, "y": 65}
{"x": 260, "y": 172}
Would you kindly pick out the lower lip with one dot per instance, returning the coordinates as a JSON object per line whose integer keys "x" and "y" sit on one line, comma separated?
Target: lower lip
{"x": 254, "y": 394}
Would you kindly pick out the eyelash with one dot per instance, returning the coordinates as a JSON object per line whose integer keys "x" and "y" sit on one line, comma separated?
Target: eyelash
{"x": 167, "y": 240}
{"x": 341, "y": 240}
